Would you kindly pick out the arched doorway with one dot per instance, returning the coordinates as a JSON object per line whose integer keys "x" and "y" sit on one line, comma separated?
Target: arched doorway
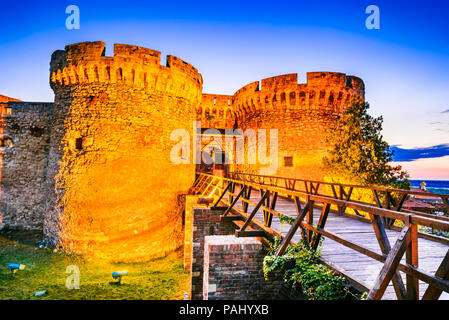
{"x": 214, "y": 160}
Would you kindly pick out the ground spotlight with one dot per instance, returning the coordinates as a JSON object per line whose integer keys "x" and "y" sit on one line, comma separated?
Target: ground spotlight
{"x": 13, "y": 267}
{"x": 118, "y": 275}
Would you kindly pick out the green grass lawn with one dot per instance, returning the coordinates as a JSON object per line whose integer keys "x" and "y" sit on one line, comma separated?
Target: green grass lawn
{"x": 158, "y": 279}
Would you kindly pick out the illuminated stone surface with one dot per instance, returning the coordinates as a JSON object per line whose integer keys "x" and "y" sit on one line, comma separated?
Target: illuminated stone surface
{"x": 109, "y": 161}
{"x": 301, "y": 112}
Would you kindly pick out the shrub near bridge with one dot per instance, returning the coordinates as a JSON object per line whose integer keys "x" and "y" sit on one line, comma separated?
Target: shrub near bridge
{"x": 303, "y": 272}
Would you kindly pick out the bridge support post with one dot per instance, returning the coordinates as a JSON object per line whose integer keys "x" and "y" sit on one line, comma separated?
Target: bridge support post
{"x": 200, "y": 222}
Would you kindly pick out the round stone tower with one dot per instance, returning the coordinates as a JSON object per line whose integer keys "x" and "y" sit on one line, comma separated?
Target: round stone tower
{"x": 302, "y": 113}
{"x": 112, "y": 187}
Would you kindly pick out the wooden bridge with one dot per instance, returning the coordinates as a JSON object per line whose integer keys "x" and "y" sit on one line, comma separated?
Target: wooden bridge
{"x": 377, "y": 246}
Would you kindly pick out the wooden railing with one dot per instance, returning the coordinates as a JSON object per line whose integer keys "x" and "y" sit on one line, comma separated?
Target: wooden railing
{"x": 407, "y": 243}
{"x": 381, "y": 197}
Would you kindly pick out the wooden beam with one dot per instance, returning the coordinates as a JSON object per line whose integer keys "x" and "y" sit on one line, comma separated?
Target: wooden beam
{"x": 401, "y": 202}
{"x": 219, "y": 208}
{"x": 391, "y": 263}
{"x": 385, "y": 248}
{"x": 247, "y": 196}
{"x": 285, "y": 242}
{"x": 250, "y": 233}
{"x": 207, "y": 187}
{"x": 272, "y": 206}
{"x": 376, "y": 196}
{"x": 203, "y": 182}
{"x": 232, "y": 218}
{"x": 235, "y": 201}
{"x": 310, "y": 221}
{"x": 256, "y": 208}
{"x": 321, "y": 223}
{"x": 445, "y": 200}
{"x": 411, "y": 257}
{"x": 197, "y": 181}
{"x": 222, "y": 195}
{"x": 411, "y": 270}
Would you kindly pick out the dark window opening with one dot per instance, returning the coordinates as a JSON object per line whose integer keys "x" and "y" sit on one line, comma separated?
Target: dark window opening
{"x": 79, "y": 143}
{"x": 288, "y": 161}
{"x": 6, "y": 142}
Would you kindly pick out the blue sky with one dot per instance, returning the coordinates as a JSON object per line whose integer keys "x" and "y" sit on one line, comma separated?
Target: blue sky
{"x": 405, "y": 64}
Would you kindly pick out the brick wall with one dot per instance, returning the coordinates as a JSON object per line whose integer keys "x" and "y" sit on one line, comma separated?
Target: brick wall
{"x": 191, "y": 202}
{"x": 233, "y": 270}
{"x": 205, "y": 222}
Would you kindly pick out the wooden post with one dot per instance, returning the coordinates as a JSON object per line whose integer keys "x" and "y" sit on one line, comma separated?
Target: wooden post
{"x": 246, "y": 196}
{"x": 231, "y": 197}
{"x": 272, "y": 206}
{"x": 310, "y": 221}
{"x": 385, "y": 247}
{"x": 235, "y": 201}
{"x": 292, "y": 231}
{"x": 321, "y": 223}
{"x": 411, "y": 257}
{"x": 253, "y": 213}
{"x": 222, "y": 195}
{"x": 391, "y": 263}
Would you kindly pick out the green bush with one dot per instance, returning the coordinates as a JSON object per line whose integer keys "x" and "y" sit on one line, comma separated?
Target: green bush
{"x": 315, "y": 280}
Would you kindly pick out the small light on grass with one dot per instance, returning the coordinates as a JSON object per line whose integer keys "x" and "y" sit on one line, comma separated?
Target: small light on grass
{"x": 118, "y": 275}
{"x": 13, "y": 267}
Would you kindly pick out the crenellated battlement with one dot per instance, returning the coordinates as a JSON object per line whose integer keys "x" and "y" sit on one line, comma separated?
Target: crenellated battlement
{"x": 131, "y": 65}
{"x": 331, "y": 91}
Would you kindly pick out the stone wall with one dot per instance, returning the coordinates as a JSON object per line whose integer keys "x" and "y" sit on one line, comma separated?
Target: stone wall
{"x": 112, "y": 187}
{"x": 216, "y": 111}
{"x": 302, "y": 113}
{"x": 24, "y": 145}
{"x": 205, "y": 222}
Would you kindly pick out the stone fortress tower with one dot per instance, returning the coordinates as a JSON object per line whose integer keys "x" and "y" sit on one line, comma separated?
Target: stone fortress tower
{"x": 94, "y": 167}
{"x": 112, "y": 188}
{"x": 302, "y": 113}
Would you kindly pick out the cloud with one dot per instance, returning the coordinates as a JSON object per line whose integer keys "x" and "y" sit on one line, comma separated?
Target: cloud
{"x": 437, "y": 151}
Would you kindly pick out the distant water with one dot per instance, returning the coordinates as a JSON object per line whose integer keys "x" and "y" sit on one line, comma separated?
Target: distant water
{"x": 435, "y": 186}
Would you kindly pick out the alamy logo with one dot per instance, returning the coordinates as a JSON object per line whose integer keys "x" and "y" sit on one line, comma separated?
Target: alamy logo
{"x": 72, "y": 281}
{"x": 261, "y": 149}
{"x": 373, "y": 20}
{"x": 73, "y": 20}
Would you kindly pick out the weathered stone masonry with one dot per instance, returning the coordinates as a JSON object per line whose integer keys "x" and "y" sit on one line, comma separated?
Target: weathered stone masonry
{"x": 301, "y": 112}
{"x": 25, "y": 132}
{"x": 116, "y": 186}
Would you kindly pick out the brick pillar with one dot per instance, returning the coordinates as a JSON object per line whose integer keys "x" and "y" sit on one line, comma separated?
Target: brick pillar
{"x": 205, "y": 222}
{"x": 233, "y": 270}
{"x": 191, "y": 202}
